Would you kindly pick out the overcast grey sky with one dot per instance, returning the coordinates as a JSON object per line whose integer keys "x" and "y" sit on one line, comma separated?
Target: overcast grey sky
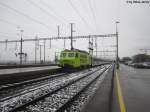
{"x": 41, "y": 17}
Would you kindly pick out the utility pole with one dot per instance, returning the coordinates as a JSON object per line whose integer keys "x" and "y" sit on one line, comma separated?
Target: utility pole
{"x": 44, "y": 50}
{"x": 40, "y": 53}
{"x": 36, "y": 49}
{"x": 64, "y": 43}
{"x": 50, "y": 44}
{"x": 96, "y": 45}
{"x": 6, "y": 44}
{"x": 71, "y": 39}
{"x": 117, "y": 58}
{"x": 90, "y": 45}
{"x": 21, "y": 53}
{"x": 91, "y": 48}
{"x": 56, "y": 58}
{"x": 58, "y": 29}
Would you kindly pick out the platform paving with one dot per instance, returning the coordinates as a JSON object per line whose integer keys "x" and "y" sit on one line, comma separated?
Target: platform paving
{"x": 133, "y": 95}
{"x": 26, "y": 69}
{"x": 15, "y": 75}
{"x": 135, "y": 86}
{"x": 101, "y": 100}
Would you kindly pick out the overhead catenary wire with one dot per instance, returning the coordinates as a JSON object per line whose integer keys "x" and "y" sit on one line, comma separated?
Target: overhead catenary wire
{"x": 85, "y": 8}
{"x": 8, "y": 22}
{"x": 7, "y": 33}
{"x": 118, "y": 9}
{"x": 45, "y": 11}
{"x": 60, "y": 38}
{"x": 78, "y": 13}
{"x": 25, "y": 15}
{"x": 1, "y": 35}
{"x": 93, "y": 13}
{"x": 94, "y": 19}
{"x": 52, "y": 10}
{"x": 13, "y": 35}
{"x": 4, "y": 34}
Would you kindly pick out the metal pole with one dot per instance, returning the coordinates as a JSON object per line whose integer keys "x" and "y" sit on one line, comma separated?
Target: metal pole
{"x": 40, "y": 53}
{"x": 92, "y": 46}
{"x": 58, "y": 28}
{"x": 64, "y": 43}
{"x": 71, "y": 36}
{"x": 21, "y": 48}
{"x": 55, "y": 58}
{"x": 90, "y": 50}
{"x": 96, "y": 45}
{"x": 117, "y": 58}
{"x": 44, "y": 50}
{"x": 35, "y": 49}
{"x": 89, "y": 45}
{"x": 6, "y": 45}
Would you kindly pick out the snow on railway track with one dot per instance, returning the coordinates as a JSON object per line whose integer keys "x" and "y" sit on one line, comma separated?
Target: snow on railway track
{"x": 80, "y": 102}
{"x": 34, "y": 92}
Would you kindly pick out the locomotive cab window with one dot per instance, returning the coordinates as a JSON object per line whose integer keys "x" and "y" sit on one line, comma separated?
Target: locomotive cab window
{"x": 63, "y": 55}
{"x": 77, "y": 55}
{"x": 71, "y": 55}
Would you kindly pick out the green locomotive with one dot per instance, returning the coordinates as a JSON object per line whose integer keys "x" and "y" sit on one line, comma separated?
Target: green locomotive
{"x": 75, "y": 59}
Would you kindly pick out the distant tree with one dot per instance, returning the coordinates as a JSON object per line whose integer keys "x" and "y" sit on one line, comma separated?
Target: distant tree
{"x": 141, "y": 58}
{"x": 125, "y": 59}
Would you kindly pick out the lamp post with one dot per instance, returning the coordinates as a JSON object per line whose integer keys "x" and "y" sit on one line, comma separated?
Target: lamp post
{"x": 117, "y": 57}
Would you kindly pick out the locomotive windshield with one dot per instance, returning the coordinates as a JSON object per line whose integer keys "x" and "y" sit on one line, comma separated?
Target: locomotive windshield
{"x": 71, "y": 55}
{"x": 63, "y": 55}
{"x": 77, "y": 55}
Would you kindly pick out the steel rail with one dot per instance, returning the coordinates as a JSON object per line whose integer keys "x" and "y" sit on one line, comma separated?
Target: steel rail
{"x": 46, "y": 95}
{"x": 9, "y": 86}
{"x": 68, "y": 103}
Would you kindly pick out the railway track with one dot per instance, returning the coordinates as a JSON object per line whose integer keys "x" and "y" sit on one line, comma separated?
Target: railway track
{"x": 79, "y": 102}
{"x": 53, "y": 93}
{"x": 16, "y": 89}
{"x": 12, "y": 85}
{"x": 13, "y": 96}
{"x": 10, "y": 89}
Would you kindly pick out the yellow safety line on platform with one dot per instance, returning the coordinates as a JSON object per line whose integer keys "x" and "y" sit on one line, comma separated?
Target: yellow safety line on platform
{"x": 120, "y": 97}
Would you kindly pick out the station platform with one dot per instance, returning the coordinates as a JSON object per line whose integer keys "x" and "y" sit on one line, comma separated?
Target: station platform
{"x": 134, "y": 95}
{"x": 26, "y": 69}
{"x": 131, "y": 92}
{"x": 101, "y": 101}
{"x": 9, "y": 66}
{"x": 15, "y": 75}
